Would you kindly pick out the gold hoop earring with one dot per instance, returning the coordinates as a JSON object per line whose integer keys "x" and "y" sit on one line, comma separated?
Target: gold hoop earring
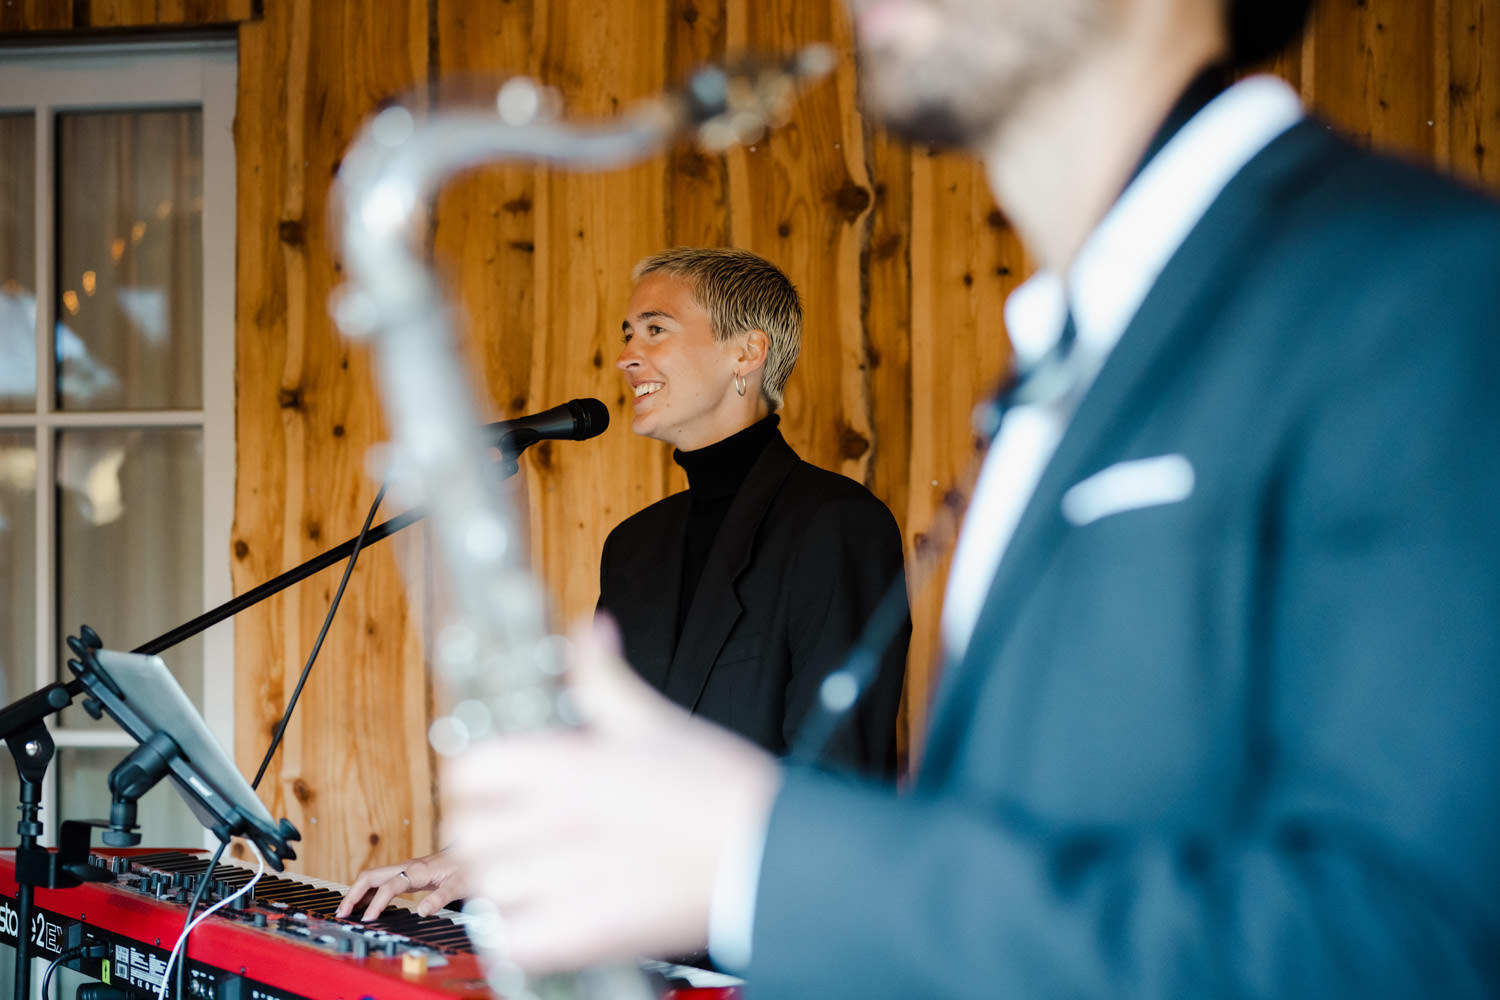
{"x": 739, "y": 384}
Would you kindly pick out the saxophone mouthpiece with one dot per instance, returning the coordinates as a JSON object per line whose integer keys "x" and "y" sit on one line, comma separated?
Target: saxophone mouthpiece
{"x": 738, "y": 102}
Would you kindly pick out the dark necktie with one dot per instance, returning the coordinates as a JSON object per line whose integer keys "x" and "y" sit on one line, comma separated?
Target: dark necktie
{"x": 1049, "y": 378}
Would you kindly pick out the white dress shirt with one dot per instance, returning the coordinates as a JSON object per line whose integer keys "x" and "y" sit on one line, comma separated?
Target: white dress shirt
{"x": 1105, "y": 286}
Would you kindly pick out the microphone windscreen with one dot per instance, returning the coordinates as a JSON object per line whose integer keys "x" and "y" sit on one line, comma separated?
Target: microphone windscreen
{"x": 590, "y": 416}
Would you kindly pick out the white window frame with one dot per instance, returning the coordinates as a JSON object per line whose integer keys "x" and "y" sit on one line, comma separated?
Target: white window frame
{"x": 46, "y": 81}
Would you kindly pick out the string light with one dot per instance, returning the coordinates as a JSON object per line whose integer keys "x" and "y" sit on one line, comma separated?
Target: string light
{"x": 89, "y": 280}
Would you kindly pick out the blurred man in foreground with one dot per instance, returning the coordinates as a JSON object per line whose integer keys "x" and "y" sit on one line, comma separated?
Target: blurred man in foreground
{"x": 1221, "y": 714}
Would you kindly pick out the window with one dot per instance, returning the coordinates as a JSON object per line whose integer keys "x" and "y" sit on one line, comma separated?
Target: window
{"x": 116, "y": 388}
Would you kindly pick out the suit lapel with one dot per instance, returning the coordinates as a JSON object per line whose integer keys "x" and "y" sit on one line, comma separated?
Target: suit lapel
{"x": 716, "y": 606}
{"x": 655, "y": 580}
{"x": 1178, "y": 310}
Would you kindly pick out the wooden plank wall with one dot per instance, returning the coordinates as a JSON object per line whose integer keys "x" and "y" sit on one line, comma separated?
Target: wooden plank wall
{"x": 900, "y": 254}
{"x": 90, "y": 16}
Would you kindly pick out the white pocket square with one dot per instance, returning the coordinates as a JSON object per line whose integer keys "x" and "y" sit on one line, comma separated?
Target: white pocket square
{"x": 1144, "y": 482}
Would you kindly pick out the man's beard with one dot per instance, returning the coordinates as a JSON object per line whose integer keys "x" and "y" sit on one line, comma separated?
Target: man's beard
{"x": 962, "y": 92}
{"x": 927, "y": 115}
{"x": 936, "y": 124}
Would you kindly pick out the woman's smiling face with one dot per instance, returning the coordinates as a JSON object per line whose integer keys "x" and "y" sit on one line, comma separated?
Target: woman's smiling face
{"x": 681, "y": 375}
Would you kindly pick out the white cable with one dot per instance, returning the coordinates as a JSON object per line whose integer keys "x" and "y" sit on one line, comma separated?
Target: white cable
{"x": 161, "y": 991}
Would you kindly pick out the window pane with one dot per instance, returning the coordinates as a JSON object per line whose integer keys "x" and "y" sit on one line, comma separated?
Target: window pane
{"x": 130, "y": 260}
{"x": 83, "y": 793}
{"x": 17, "y": 263}
{"x": 17, "y": 566}
{"x": 130, "y": 542}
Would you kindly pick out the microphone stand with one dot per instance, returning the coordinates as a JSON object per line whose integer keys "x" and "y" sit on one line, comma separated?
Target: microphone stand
{"x": 23, "y": 726}
{"x": 25, "y": 733}
{"x": 510, "y": 447}
{"x": 510, "y": 450}
{"x": 276, "y": 584}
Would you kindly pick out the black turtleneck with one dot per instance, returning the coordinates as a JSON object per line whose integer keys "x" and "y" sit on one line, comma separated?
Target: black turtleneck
{"x": 715, "y": 474}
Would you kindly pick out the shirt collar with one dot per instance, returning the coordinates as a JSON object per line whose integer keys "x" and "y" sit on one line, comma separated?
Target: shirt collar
{"x": 1128, "y": 250}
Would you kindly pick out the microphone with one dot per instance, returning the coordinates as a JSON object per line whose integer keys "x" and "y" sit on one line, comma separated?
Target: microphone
{"x": 575, "y": 420}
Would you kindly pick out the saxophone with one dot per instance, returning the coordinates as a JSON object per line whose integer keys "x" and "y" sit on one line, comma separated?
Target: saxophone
{"x": 500, "y": 662}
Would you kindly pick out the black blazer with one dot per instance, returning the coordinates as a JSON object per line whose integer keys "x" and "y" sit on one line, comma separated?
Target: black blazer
{"x": 799, "y": 563}
{"x": 1239, "y": 743}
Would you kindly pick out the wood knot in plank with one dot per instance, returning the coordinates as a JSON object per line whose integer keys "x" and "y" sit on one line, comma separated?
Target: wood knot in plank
{"x": 921, "y": 544}
{"x": 289, "y": 231}
{"x": 289, "y": 397}
{"x": 691, "y": 163}
{"x": 851, "y": 200}
{"x": 302, "y": 791}
{"x": 241, "y": 549}
{"x": 852, "y": 444}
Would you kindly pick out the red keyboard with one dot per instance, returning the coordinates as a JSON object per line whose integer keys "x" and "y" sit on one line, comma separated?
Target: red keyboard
{"x": 281, "y": 943}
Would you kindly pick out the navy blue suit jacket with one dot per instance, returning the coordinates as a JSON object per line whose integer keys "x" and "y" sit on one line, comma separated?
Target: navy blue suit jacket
{"x": 1246, "y": 744}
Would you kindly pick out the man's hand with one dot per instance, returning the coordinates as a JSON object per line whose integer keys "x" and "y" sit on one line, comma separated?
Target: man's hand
{"x": 438, "y": 872}
{"x": 603, "y": 842}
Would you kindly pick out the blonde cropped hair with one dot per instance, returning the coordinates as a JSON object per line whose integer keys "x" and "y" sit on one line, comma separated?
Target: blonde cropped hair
{"x": 740, "y": 291}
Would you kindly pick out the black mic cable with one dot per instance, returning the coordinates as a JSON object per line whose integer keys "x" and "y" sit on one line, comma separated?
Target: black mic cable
{"x": 333, "y": 606}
